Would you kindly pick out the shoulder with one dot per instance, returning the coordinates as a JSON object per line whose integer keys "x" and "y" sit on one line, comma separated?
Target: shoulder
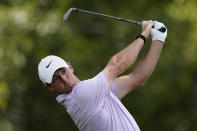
{"x": 87, "y": 90}
{"x": 100, "y": 77}
{"x": 85, "y": 86}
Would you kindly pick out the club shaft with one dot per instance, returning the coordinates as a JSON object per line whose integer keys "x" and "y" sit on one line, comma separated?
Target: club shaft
{"x": 108, "y": 16}
{"x": 162, "y": 29}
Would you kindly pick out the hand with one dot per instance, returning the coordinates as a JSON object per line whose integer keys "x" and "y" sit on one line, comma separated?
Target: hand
{"x": 156, "y": 34}
{"x": 146, "y": 28}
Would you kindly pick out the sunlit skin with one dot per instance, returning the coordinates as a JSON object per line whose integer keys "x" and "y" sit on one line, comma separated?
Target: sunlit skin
{"x": 63, "y": 80}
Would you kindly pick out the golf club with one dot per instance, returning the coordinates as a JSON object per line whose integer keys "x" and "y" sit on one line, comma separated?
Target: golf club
{"x": 162, "y": 29}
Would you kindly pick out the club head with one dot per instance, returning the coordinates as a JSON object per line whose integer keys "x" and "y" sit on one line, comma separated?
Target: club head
{"x": 68, "y": 13}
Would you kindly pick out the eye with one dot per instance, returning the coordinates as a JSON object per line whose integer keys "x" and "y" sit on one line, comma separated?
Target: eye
{"x": 63, "y": 71}
{"x": 55, "y": 79}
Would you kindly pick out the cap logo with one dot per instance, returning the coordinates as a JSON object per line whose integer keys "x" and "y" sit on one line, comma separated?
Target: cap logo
{"x": 48, "y": 64}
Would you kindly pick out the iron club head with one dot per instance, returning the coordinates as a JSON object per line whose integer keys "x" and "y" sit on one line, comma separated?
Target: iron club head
{"x": 68, "y": 13}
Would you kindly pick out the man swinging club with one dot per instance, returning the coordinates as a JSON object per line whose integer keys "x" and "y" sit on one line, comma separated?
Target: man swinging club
{"x": 95, "y": 104}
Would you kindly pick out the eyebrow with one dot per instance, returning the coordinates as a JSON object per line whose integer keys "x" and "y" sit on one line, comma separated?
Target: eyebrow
{"x": 60, "y": 69}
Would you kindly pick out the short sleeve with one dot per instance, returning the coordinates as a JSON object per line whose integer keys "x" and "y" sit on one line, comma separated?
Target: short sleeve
{"x": 92, "y": 92}
{"x": 114, "y": 88}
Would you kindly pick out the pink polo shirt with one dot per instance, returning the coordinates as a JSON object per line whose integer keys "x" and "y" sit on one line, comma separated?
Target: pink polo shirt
{"x": 94, "y": 106}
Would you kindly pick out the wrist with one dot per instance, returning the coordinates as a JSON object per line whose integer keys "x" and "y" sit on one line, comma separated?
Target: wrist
{"x": 145, "y": 34}
{"x": 158, "y": 38}
{"x": 142, "y": 37}
{"x": 157, "y": 42}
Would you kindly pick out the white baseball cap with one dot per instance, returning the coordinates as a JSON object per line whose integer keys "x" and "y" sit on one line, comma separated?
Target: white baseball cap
{"x": 48, "y": 66}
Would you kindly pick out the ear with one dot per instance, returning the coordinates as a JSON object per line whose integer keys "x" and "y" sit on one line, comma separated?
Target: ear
{"x": 47, "y": 86}
{"x": 70, "y": 67}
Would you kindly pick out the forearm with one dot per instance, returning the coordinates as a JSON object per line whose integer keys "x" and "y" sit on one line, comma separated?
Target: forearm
{"x": 126, "y": 57}
{"x": 146, "y": 66}
{"x": 121, "y": 61}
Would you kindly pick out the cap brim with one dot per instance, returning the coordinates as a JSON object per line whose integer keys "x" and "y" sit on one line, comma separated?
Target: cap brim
{"x": 55, "y": 65}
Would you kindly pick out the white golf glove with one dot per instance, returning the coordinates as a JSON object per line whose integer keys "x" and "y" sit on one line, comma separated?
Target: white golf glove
{"x": 158, "y": 35}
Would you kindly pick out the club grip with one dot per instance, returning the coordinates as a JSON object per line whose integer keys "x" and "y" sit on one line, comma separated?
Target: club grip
{"x": 162, "y": 29}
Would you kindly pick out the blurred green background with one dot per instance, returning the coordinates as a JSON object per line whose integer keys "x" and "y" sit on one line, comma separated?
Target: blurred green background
{"x": 33, "y": 29}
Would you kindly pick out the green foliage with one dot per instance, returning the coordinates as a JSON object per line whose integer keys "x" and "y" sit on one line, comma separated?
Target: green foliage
{"x": 30, "y": 30}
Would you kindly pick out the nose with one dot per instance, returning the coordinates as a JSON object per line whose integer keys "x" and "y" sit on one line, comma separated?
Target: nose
{"x": 63, "y": 77}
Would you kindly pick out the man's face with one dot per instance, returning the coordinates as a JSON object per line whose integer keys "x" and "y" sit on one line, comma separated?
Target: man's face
{"x": 62, "y": 81}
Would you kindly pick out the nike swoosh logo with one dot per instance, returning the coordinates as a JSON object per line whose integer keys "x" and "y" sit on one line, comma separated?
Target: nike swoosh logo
{"x": 48, "y": 64}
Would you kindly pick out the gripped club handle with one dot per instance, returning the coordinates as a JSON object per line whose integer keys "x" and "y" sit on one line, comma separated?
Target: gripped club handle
{"x": 162, "y": 29}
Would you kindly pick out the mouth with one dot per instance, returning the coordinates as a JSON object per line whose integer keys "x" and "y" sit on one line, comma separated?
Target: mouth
{"x": 69, "y": 84}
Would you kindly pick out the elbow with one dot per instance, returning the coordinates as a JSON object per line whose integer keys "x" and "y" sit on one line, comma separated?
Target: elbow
{"x": 143, "y": 80}
{"x": 117, "y": 63}
{"x": 116, "y": 60}
{"x": 140, "y": 84}
{"x": 143, "y": 83}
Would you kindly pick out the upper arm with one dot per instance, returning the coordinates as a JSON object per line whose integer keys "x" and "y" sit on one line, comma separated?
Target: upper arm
{"x": 115, "y": 66}
{"x": 112, "y": 70}
{"x": 110, "y": 74}
{"x": 126, "y": 84}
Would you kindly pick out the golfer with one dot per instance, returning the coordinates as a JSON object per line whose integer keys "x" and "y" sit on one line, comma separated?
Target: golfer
{"x": 95, "y": 104}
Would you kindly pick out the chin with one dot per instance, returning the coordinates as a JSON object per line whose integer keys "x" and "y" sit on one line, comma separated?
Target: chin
{"x": 68, "y": 90}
